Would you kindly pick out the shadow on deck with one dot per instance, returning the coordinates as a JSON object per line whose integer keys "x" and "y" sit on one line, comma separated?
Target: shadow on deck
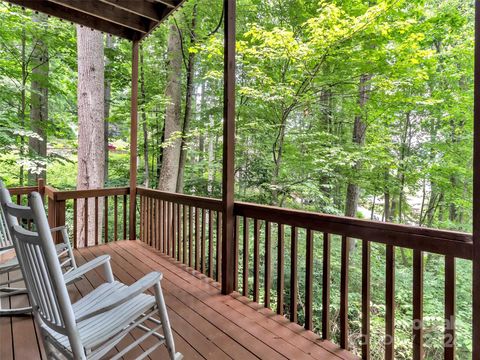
{"x": 206, "y": 324}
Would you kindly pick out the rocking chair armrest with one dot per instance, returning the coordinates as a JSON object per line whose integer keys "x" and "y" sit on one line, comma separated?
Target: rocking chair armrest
{"x": 78, "y": 272}
{"x": 63, "y": 230}
{"x": 115, "y": 300}
{"x": 58, "y": 228}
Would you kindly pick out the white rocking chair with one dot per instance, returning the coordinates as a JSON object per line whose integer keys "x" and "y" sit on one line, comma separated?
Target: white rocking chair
{"x": 63, "y": 250}
{"x": 91, "y": 327}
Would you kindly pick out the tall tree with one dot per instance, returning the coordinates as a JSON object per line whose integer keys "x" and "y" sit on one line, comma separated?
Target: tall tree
{"x": 38, "y": 102}
{"x": 109, "y": 44}
{"x": 173, "y": 125}
{"x": 359, "y": 132}
{"x": 189, "y": 99}
{"x": 144, "y": 119}
{"x": 91, "y": 127}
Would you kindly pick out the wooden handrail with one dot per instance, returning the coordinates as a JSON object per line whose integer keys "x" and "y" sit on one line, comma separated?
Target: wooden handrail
{"x": 90, "y": 193}
{"x": 190, "y": 200}
{"x": 23, "y": 190}
{"x": 444, "y": 242}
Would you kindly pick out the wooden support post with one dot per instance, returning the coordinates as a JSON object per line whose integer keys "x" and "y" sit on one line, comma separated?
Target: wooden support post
{"x": 56, "y": 216}
{"x": 133, "y": 143}
{"x": 476, "y": 191}
{"x": 41, "y": 186}
{"x": 228, "y": 247}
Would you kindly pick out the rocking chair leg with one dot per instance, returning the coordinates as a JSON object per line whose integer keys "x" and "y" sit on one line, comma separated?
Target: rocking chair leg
{"x": 16, "y": 312}
{"x": 167, "y": 330}
{"x": 8, "y": 292}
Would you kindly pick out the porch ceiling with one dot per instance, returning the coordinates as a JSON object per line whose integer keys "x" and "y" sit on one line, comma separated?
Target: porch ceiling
{"x": 128, "y": 19}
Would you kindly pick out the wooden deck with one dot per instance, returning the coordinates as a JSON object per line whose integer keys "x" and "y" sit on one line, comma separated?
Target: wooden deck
{"x": 206, "y": 324}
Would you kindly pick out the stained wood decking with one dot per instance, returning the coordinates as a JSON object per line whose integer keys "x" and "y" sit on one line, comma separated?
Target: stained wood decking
{"x": 206, "y": 324}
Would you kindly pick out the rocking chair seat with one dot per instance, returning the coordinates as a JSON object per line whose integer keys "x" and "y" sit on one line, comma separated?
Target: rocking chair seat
{"x": 110, "y": 325}
{"x": 100, "y": 328}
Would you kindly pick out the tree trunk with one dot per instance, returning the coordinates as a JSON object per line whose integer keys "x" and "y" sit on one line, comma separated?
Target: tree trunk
{"x": 188, "y": 102}
{"x": 39, "y": 103}
{"x": 146, "y": 182}
{"x": 109, "y": 44}
{"x": 91, "y": 127}
{"x": 278, "y": 155}
{"x": 173, "y": 126}
{"x": 359, "y": 129}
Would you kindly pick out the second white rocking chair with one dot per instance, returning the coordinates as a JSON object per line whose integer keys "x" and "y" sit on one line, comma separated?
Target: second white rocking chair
{"x": 91, "y": 327}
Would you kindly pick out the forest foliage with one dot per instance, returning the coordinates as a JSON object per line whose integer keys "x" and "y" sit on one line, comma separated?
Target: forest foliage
{"x": 341, "y": 104}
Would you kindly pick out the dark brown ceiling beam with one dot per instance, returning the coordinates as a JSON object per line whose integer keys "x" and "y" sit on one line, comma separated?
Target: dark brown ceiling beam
{"x": 170, "y": 3}
{"x": 109, "y": 13}
{"x": 153, "y": 11}
{"x": 166, "y": 12}
{"x": 78, "y": 17}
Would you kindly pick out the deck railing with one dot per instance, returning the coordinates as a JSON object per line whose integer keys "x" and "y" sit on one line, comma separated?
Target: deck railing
{"x": 107, "y": 210}
{"x": 189, "y": 229}
{"x": 266, "y": 238}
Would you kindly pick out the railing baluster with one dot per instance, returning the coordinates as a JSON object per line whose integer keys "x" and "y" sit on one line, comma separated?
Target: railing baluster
{"x": 96, "y": 221}
{"x": 246, "y": 250}
{"x": 210, "y": 244}
{"x": 418, "y": 268}
{"x": 142, "y": 223}
{"x": 149, "y": 221}
{"x": 148, "y": 210}
{"x": 390, "y": 303}
{"x": 268, "y": 263}
{"x": 309, "y": 281}
{"x": 85, "y": 221}
{"x": 256, "y": 260}
{"x": 280, "y": 268}
{"x": 115, "y": 218}
{"x": 344, "y": 293}
{"x": 179, "y": 231}
{"x": 106, "y": 219}
{"x": 166, "y": 218}
{"x": 175, "y": 229}
{"x": 19, "y": 199}
{"x": 366, "y": 299}
{"x": 293, "y": 275}
{"x": 219, "y": 247}
{"x": 203, "y": 265}
{"x": 75, "y": 217}
{"x": 235, "y": 251}
{"x": 190, "y": 237}
{"x": 153, "y": 223}
{"x": 160, "y": 225}
{"x": 169, "y": 228}
{"x": 326, "y": 287}
{"x": 125, "y": 217}
{"x": 184, "y": 234}
{"x": 197, "y": 240}
{"x": 450, "y": 297}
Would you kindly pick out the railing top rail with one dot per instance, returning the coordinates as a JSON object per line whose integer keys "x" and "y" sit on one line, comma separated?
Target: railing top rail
{"x": 89, "y": 193}
{"x": 190, "y": 200}
{"x": 444, "y": 242}
{"x": 23, "y": 190}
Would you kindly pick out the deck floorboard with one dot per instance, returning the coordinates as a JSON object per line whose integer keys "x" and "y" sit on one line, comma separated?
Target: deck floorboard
{"x": 206, "y": 324}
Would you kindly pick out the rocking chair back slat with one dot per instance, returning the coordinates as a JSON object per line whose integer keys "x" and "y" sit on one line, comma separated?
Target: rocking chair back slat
{"x": 5, "y": 239}
{"x": 41, "y": 268}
